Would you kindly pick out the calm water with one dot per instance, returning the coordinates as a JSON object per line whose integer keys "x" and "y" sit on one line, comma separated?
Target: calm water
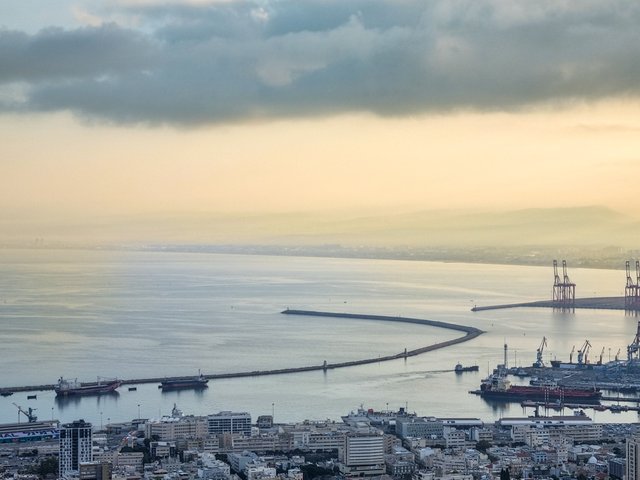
{"x": 129, "y": 314}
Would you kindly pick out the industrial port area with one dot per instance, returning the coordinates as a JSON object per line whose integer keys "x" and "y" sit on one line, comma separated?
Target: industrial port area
{"x": 586, "y": 380}
{"x": 555, "y": 438}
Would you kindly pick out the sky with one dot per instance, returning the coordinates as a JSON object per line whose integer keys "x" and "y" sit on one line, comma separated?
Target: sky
{"x": 155, "y": 108}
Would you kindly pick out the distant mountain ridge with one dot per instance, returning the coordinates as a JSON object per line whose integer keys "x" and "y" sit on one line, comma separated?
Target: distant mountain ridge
{"x": 589, "y": 226}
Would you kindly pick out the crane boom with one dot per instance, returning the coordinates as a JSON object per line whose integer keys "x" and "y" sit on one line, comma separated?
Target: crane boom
{"x": 539, "y": 363}
{"x": 31, "y": 417}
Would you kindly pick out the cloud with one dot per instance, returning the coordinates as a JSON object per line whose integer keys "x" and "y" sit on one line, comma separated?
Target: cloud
{"x": 220, "y": 61}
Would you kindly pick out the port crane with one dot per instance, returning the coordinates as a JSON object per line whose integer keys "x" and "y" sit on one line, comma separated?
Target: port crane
{"x": 31, "y": 417}
{"x": 617, "y": 355}
{"x": 564, "y": 290}
{"x": 539, "y": 363}
{"x": 601, "y": 354}
{"x": 571, "y": 354}
{"x": 583, "y": 353}
{"x": 634, "y": 346}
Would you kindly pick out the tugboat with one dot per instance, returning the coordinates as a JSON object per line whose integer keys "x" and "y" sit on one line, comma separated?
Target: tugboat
{"x": 459, "y": 368}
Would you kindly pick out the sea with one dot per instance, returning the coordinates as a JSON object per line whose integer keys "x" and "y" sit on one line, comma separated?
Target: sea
{"x": 129, "y": 314}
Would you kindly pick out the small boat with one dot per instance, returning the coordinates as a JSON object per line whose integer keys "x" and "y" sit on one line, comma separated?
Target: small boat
{"x": 133, "y": 389}
{"x": 31, "y": 397}
{"x": 6, "y": 394}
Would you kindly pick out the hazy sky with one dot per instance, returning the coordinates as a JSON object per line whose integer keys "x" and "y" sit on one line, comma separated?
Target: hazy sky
{"x": 152, "y": 106}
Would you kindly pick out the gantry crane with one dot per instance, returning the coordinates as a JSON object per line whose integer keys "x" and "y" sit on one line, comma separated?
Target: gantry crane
{"x": 564, "y": 291}
{"x": 634, "y": 347}
{"x": 539, "y": 363}
{"x": 31, "y": 417}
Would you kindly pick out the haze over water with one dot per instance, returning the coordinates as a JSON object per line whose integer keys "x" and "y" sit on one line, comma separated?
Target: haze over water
{"x": 144, "y": 314}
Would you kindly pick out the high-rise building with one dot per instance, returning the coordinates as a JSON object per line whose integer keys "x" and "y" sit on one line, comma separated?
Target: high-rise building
{"x": 632, "y": 469}
{"x": 363, "y": 455}
{"x": 229, "y": 422}
{"x": 75, "y": 446}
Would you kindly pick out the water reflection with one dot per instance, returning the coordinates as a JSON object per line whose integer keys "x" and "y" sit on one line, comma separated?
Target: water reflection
{"x": 65, "y": 402}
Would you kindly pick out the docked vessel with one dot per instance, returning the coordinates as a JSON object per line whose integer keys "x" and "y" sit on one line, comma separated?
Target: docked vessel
{"x": 497, "y": 387}
{"x": 198, "y": 382}
{"x": 373, "y": 417}
{"x": 459, "y": 368}
{"x": 73, "y": 387}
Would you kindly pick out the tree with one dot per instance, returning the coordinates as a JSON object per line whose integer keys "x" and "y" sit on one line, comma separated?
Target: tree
{"x": 482, "y": 446}
{"x": 47, "y": 465}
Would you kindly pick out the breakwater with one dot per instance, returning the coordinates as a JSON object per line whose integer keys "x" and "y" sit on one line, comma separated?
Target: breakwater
{"x": 594, "y": 303}
{"x": 469, "y": 334}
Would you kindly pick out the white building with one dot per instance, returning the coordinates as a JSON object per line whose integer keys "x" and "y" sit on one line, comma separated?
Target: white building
{"x": 172, "y": 428}
{"x": 363, "y": 455}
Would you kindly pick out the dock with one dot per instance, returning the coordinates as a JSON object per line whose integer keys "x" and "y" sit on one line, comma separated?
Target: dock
{"x": 594, "y": 303}
{"x": 469, "y": 334}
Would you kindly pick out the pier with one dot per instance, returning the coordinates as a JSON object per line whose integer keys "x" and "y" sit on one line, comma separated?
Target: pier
{"x": 469, "y": 334}
{"x": 594, "y": 303}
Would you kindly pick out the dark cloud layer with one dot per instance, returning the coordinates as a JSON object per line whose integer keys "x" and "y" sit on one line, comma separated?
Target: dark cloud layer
{"x": 230, "y": 61}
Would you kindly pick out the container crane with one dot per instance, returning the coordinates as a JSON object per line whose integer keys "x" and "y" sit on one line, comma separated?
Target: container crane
{"x": 634, "y": 347}
{"x": 617, "y": 355}
{"x": 539, "y": 363}
{"x": 31, "y": 417}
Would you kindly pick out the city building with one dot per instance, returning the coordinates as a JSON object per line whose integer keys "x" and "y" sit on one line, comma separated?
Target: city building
{"x": 75, "y": 447}
{"x": 419, "y": 427}
{"x": 95, "y": 471}
{"x": 28, "y": 432}
{"x": 632, "y": 469}
{"x": 579, "y": 428}
{"x": 229, "y": 422}
{"x": 264, "y": 421}
{"x": 172, "y": 428}
{"x": 363, "y": 455}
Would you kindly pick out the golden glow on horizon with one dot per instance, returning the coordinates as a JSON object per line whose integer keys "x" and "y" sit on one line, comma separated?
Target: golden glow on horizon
{"x": 583, "y": 155}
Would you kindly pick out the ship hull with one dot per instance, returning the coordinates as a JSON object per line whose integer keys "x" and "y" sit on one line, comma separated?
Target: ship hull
{"x": 194, "y": 385}
{"x": 543, "y": 395}
{"x": 88, "y": 390}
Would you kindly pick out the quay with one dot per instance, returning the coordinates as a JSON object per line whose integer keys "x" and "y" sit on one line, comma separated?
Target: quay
{"x": 469, "y": 334}
{"x": 594, "y": 303}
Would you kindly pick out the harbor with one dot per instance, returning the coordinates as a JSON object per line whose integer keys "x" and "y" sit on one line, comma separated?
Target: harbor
{"x": 595, "y": 303}
{"x": 214, "y": 331}
{"x": 469, "y": 334}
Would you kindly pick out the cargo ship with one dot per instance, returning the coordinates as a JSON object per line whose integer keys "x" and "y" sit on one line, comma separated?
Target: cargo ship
{"x": 73, "y": 387}
{"x": 198, "y": 383}
{"x": 497, "y": 387}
